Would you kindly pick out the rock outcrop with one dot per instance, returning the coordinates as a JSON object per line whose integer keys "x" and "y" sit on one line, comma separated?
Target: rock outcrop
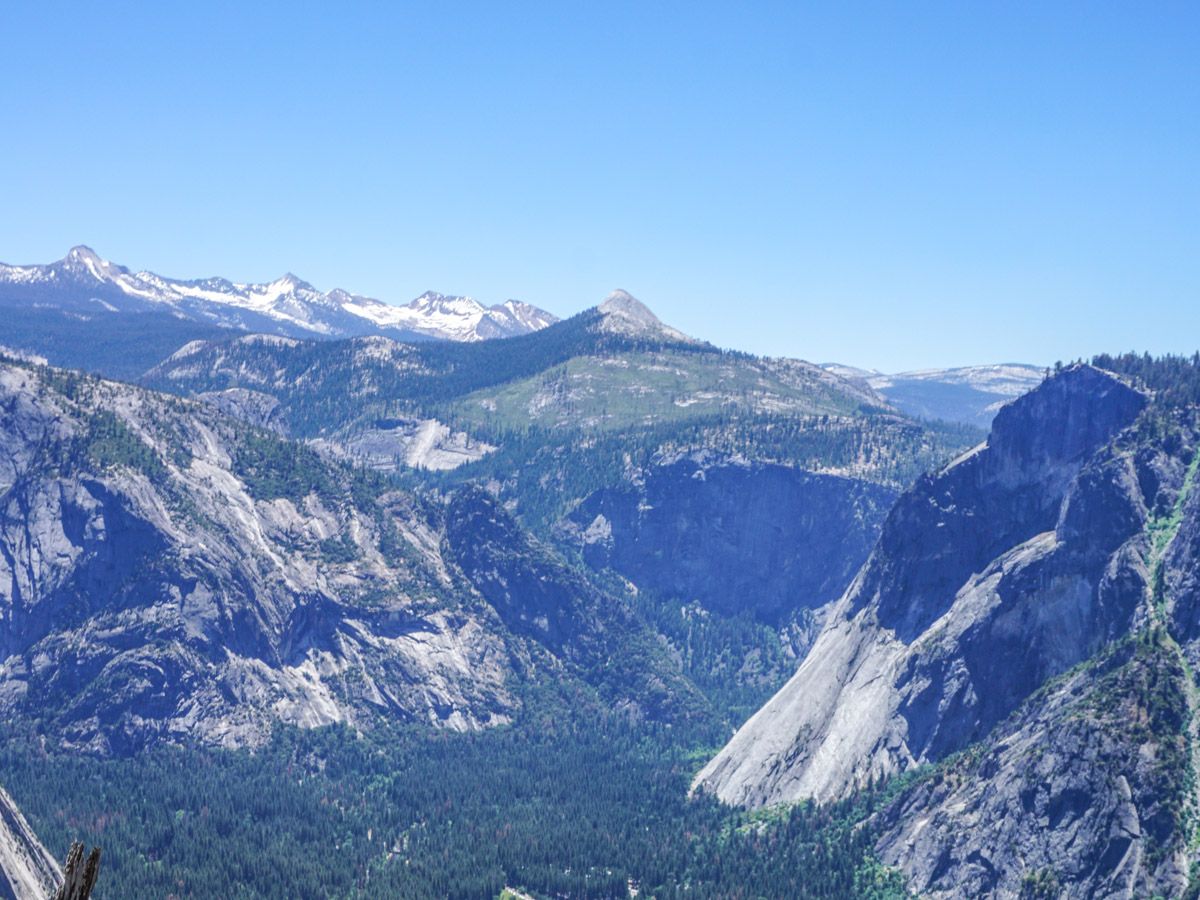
{"x": 169, "y": 574}
{"x": 981, "y": 586}
{"x": 27, "y": 870}
{"x": 1084, "y": 792}
{"x": 1021, "y": 641}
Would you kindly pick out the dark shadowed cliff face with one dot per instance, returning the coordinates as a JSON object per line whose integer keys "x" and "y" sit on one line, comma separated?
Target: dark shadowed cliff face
{"x": 954, "y": 524}
{"x": 733, "y": 536}
{"x": 1024, "y": 636}
{"x": 538, "y": 596}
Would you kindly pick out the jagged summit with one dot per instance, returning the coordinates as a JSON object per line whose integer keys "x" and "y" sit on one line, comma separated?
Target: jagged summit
{"x": 83, "y": 260}
{"x": 625, "y": 314}
{"x": 434, "y": 300}
{"x": 82, "y": 252}
{"x": 83, "y": 280}
{"x": 623, "y": 303}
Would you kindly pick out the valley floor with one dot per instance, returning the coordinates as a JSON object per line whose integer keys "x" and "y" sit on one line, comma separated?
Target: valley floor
{"x": 587, "y": 812}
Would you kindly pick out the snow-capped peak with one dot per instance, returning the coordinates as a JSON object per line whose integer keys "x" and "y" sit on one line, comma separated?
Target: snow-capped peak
{"x": 292, "y": 304}
{"x": 84, "y": 254}
{"x": 84, "y": 260}
{"x": 441, "y": 303}
{"x": 530, "y": 317}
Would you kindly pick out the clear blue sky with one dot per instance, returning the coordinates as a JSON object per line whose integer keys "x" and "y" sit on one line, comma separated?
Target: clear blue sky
{"x": 892, "y": 185}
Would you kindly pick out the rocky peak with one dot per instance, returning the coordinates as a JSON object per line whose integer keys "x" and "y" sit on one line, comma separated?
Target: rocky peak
{"x": 290, "y": 283}
{"x": 432, "y": 301}
{"x": 526, "y": 313}
{"x": 972, "y": 598}
{"x": 624, "y": 304}
{"x": 82, "y": 253}
{"x": 83, "y": 260}
{"x": 1066, "y": 417}
{"x": 624, "y": 314}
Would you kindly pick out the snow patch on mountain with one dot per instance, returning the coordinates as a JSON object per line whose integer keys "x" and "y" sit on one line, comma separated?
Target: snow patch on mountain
{"x": 970, "y": 394}
{"x": 1007, "y": 379}
{"x": 289, "y": 303}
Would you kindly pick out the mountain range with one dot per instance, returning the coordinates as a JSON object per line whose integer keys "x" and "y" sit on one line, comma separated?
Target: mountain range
{"x": 968, "y": 394}
{"x": 329, "y": 595}
{"x": 953, "y": 661}
{"x": 86, "y": 312}
{"x": 170, "y": 574}
{"x": 83, "y": 286}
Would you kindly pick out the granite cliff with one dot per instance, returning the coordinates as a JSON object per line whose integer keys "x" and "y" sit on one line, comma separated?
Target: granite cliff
{"x": 1019, "y": 646}
{"x": 167, "y": 573}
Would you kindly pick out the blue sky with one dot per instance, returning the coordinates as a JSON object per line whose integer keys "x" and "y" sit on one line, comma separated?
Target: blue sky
{"x": 892, "y": 185}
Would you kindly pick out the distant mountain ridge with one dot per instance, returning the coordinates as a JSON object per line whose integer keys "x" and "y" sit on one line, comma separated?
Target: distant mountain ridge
{"x": 86, "y": 284}
{"x": 968, "y": 394}
{"x": 614, "y": 366}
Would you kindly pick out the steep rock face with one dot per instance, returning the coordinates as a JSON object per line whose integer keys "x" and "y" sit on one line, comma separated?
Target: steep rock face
{"x": 734, "y": 536}
{"x": 1082, "y": 793}
{"x": 27, "y": 870}
{"x": 168, "y": 574}
{"x": 1018, "y": 561}
{"x": 165, "y": 575}
{"x": 538, "y": 596}
{"x": 259, "y": 409}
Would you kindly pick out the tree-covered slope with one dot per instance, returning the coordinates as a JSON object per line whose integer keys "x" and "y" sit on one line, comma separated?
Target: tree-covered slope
{"x": 582, "y": 373}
